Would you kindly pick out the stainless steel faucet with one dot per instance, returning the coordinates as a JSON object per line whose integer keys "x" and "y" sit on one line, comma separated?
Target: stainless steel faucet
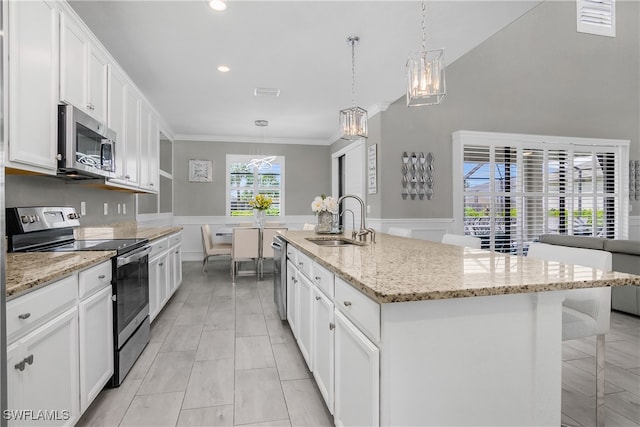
{"x": 362, "y": 233}
{"x": 353, "y": 222}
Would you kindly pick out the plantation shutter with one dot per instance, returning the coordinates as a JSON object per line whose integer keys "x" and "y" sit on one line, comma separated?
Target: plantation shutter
{"x": 245, "y": 182}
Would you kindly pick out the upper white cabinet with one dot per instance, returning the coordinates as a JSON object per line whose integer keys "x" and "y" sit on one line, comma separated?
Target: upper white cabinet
{"x": 32, "y": 84}
{"x": 131, "y": 136}
{"x": 115, "y": 115}
{"x": 83, "y": 70}
{"x": 149, "y": 150}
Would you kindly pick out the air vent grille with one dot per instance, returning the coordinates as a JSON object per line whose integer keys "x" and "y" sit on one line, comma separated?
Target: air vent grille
{"x": 596, "y": 17}
{"x": 266, "y": 91}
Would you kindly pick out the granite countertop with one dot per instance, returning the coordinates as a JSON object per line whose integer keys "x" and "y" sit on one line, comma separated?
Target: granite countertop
{"x": 398, "y": 269}
{"x": 26, "y": 271}
{"x": 125, "y": 230}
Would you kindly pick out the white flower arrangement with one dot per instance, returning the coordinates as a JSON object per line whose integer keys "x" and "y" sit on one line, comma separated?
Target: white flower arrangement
{"x": 324, "y": 203}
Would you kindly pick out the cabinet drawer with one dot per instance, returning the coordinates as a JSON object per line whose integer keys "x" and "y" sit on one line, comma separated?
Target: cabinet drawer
{"x": 303, "y": 263}
{"x": 37, "y": 307}
{"x": 158, "y": 246}
{"x": 322, "y": 278}
{"x": 292, "y": 254}
{"x": 175, "y": 239}
{"x": 359, "y": 308}
{"x": 94, "y": 278}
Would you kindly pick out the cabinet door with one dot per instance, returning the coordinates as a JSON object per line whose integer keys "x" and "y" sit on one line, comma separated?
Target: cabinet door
{"x": 158, "y": 284}
{"x": 292, "y": 281}
{"x": 33, "y": 82}
{"x": 132, "y": 136}
{"x": 176, "y": 268}
{"x": 323, "y": 327}
{"x": 305, "y": 318}
{"x": 145, "y": 114}
{"x": 97, "y": 84}
{"x": 49, "y": 379}
{"x": 154, "y": 153}
{"x": 116, "y": 117}
{"x": 15, "y": 355}
{"x": 357, "y": 376}
{"x": 74, "y": 48}
{"x": 95, "y": 316}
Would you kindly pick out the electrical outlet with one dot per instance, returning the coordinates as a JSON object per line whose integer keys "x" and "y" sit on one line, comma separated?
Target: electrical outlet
{"x": 83, "y": 208}
{"x": 124, "y": 209}
{"x": 118, "y": 208}
{"x": 106, "y": 208}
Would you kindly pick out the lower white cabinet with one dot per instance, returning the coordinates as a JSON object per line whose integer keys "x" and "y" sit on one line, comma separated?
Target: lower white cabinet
{"x": 175, "y": 261}
{"x": 158, "y": 284}
{"x": 305, "y": 318}
{"x": 96, "y": 344}
{"x": 292, "y": 281}
{"x": 357, "y": 376}
{"x": 42, "y": 374}
{"x": 323, "y": 331}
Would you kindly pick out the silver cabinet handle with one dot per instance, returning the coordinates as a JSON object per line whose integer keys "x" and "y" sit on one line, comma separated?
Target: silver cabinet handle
{"x": 161, "y": 264}
{"x": 332, "y": 326}
{"x": 318, "y": 278}
{"x": 317, "y": 298}
{"x": 19, "y": 366}
{"x": 347, "y": 303}
{"x": 102, "y": 276}
{"x": 29, "y": 359}
{"x": 24, "y": 316}
{"x": 300, "y": 263}
{"x": 177, "y": 252}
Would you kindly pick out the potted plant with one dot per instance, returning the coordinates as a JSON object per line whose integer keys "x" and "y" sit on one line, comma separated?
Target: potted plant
{"x": 260, "y": 203}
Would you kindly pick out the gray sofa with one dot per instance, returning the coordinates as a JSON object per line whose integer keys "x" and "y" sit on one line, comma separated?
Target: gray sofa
{"x": 625, "y": 258}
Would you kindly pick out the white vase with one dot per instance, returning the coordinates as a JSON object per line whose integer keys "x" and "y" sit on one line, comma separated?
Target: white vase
{"x": 259, "y": 217}
{"x": 325, "y": 222}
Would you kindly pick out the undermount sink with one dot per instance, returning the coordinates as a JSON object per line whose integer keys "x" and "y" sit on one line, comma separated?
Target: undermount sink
{"x": 333, "y": 241}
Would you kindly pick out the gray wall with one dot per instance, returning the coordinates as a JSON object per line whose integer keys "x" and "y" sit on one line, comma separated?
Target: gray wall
{"x": 307, "y": 174}
{"x": 536, "y": 76}
{"x": 33, "y": 190}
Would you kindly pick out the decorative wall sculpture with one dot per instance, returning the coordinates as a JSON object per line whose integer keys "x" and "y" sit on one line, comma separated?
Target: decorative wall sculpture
{"x": 417, "y": 175}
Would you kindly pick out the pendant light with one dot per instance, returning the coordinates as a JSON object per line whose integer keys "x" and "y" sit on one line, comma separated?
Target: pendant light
{"x": 353, "y": 121}
{"x": 425, "y": 73}
{"x": 261, "y": 163}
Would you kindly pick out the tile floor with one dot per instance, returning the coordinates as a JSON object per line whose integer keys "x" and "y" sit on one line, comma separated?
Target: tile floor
{"x": 220, "y": 356}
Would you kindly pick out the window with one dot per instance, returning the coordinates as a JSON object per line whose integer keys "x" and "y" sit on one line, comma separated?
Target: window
{"x": 510, "y": 189}
{"x": 244, "y": 182}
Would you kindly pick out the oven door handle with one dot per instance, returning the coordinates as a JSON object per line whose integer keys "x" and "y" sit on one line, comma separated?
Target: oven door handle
{"x": 124, "y": 260}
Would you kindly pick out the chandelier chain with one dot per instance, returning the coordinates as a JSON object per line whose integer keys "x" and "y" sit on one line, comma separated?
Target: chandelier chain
{"x": 353, "y": 72}
{"x": 424, "y": 26}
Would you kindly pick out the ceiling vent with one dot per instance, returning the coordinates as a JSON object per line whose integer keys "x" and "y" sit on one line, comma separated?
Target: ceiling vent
{"x": 596, "y": 17}
{"x": 266, "y": 91}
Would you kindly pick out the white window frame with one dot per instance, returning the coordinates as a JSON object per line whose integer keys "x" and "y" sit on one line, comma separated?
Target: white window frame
{"x": 519, "y": 141}
{"x": 238, "y": 158}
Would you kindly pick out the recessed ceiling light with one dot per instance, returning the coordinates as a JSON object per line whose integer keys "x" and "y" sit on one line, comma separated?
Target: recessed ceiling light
{"x": 261, "y": 123}
{"x": 218, "y": 5}
{"x": 223, "y": 69}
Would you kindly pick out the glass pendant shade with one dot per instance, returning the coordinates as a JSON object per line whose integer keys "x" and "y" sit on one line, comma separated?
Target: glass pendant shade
{"x": 353, "y": 123}
{"x": 425, "y": 77}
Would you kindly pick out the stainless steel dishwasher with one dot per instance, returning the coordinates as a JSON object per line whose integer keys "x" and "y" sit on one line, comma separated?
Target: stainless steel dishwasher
{"x": 279, "y": 246}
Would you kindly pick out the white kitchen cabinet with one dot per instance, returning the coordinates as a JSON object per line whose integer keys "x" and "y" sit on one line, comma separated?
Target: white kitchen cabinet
{"x": 158, "y": 284}
{"x": 357, "y": 376}
{"x": 132, "y": 136}
{"x": 154, "y": 153}
{"x": 305, "y": 318}
{"x": 175, "y": 261}
{"x": 83, "y": 70}
{"x": 33, "y": 85}
{"x": 42, "y": 372}
{"x": 95, "y": 315}
{"x": 323, "y": 345}
{"x": 117, "y": 85}
{"x": 145, "y": 146}
{"x": 292, "y": 285}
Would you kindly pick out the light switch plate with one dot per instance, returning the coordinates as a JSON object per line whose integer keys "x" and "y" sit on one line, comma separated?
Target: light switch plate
{"x": 106, "y": 208}
{"x": 83, "y": 208}
{"x": 124, "y": 209}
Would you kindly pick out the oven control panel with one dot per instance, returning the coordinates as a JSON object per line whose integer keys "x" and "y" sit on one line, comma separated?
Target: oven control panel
{"x": 22, "y": 220}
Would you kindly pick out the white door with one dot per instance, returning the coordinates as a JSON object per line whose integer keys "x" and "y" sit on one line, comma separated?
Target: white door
{"x": 305, "y": 318}
{"x": 357, "y": 376}
{"x": 50, "y": 376}
{"x": 323, "y": 329}
{"x": 95, "y": 316}
{"x": 291, "y": 298}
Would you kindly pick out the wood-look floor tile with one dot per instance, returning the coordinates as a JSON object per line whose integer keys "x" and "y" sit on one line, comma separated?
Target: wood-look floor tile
{"x": 305, "y": 404}
{"x": 216, "y": 345}
{"x": 182, "y": 338}
{"x": 249, "y": 325}
{"x": 622, "y": 378}
{"x": 153, "y": 410}
{"x": 160, "y": 328}
{"x": 624, "y": 403}
{"x": 258, "y": 397}
{"x": 210, "y": 384}
{"x": 254, "y": 353}
{"x": 168, "y": 372}
{"x": 214, "y": 416}
{"x": 220, "y": 320}
{"x": 110, "y": 405}
{"x": 140, "y": 368}
{"x": 290, "y": 363}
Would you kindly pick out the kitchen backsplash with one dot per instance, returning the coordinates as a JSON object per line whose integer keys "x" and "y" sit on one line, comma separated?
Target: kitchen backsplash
{"x": 31, "y": 190}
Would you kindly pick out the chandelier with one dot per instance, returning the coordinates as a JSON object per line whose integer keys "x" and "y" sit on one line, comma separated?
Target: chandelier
{"x": 425, "y": 73}
{"x": 353, "y": 121}
{"x": 261, "y": 163}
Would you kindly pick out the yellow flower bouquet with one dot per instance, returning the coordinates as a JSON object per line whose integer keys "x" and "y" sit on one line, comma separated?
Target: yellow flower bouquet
{"x": 261, "y": 202}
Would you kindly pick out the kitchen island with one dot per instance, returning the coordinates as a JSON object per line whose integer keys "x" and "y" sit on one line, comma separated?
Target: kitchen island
{"x": 445, "y": 336}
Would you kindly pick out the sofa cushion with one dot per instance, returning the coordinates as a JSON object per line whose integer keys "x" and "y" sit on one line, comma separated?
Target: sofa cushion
{"x": 631, "y": 247}
{"x": 574, "y": 241}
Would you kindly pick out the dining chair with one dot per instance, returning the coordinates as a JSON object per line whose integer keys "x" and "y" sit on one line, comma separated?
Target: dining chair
{"x": 308, "y": 227}
{"x": 400, "y": 231}
{"x": 267, "y": 251}
{"x": 585, "y": 312}
{"x": 210, "y": 249}
{"x": 462, "y": 240}
{"x": 245, "y": 246}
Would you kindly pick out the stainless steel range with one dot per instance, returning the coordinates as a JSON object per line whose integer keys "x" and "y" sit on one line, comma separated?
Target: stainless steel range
{"x": 50, "y": 229}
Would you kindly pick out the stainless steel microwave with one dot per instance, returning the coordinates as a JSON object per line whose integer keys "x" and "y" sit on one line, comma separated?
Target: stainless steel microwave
{"x": 86, "y": 147}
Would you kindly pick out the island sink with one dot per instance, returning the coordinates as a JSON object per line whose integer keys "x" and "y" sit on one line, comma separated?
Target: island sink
{"x": 337, "y": 241}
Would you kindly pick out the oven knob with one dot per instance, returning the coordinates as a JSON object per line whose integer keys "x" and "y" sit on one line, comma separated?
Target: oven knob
{"x": 70, "y": 216}
{"x": 24, "y": 219}
{"x": 37, "y": 218}
{"x": 32, "y": 218}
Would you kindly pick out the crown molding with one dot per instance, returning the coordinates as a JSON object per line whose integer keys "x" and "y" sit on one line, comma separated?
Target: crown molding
{"x": 249, "y": 139}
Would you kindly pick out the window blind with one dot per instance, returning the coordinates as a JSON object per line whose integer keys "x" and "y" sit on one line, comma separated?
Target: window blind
{"x": 244, "y": 182}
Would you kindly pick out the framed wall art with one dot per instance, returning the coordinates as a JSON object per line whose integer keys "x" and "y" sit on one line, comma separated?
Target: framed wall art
{"x": 200, "y": 171}
{"x": 372, "y": 173}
